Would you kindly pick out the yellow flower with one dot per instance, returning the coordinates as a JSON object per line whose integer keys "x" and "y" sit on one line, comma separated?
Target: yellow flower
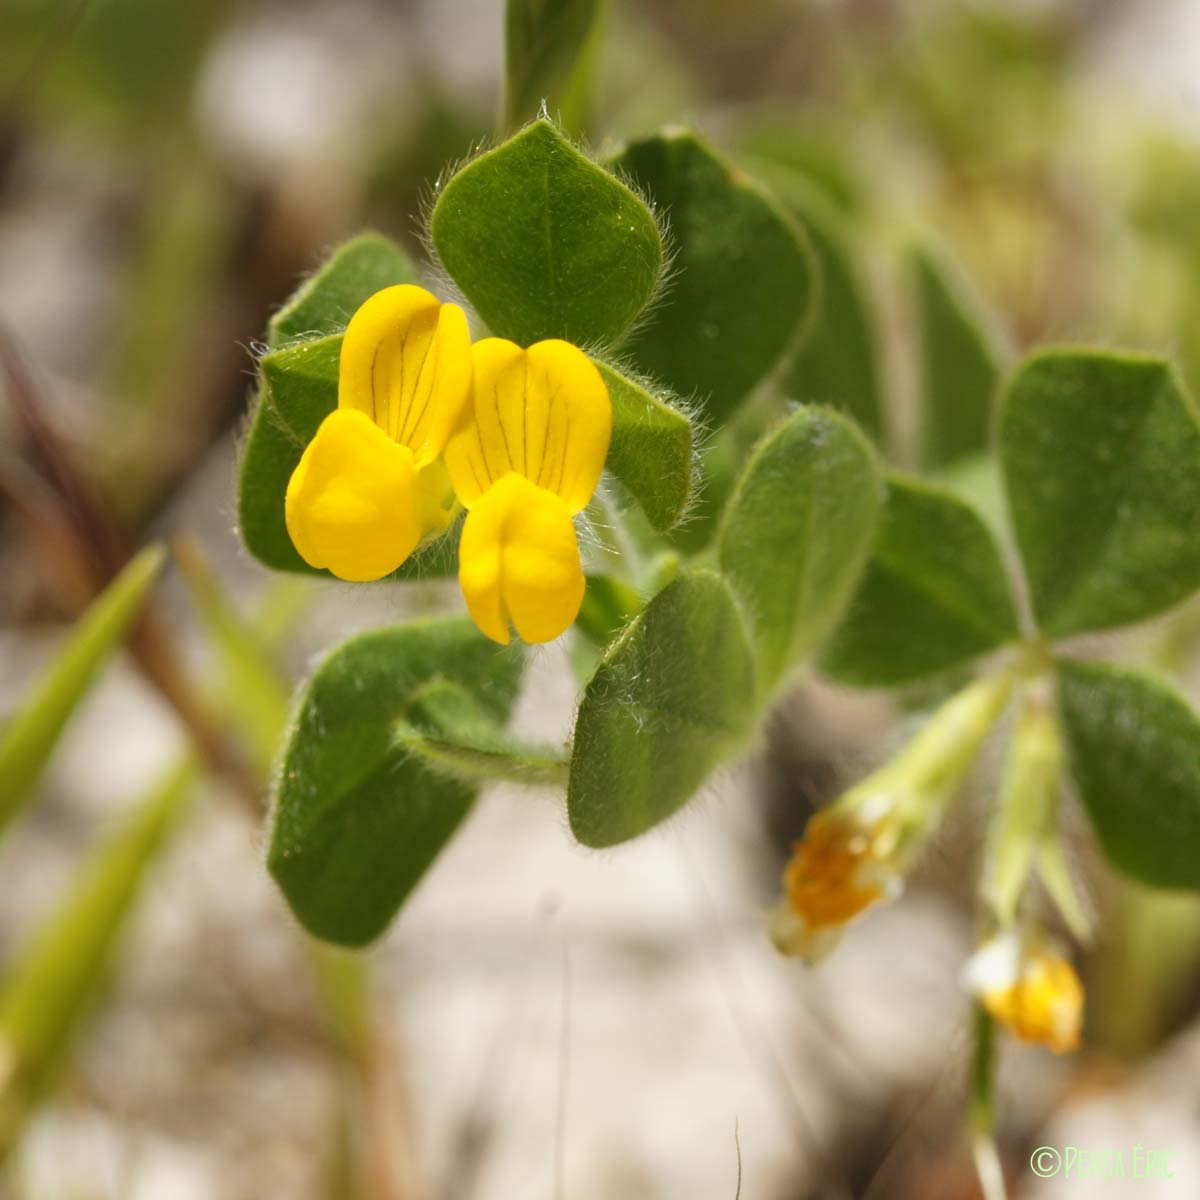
{"x": 526, "y": 460}
{"x": 841, "y": 867}
{"x": 1030, "y": 988}
{"x": 371, "y": 486}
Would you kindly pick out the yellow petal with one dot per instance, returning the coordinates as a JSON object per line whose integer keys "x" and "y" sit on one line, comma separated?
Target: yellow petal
{"x": 1030, "y": 988}
{"x": 437, "y": 505}
{"x": 352, "y": 504}
{"x": 543, "y": 413}
{"x": 406, "y": 364}
{"x": 518, "y": 561}
{"x": 1045, "y": 1005}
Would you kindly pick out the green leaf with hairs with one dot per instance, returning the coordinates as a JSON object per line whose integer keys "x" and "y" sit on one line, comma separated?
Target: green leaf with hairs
{"x": 358, "y": 816}
{"x": 671, "y": 700}
{"x": 1101, "y": 456}
{"x": 326, "y": 301}
{"x": 742, "y": 277}
{"x": 960, "y": 363}
{"x": 838, "y": 363}
{"x": 546, "y": 244}
{"x": 651, "y": 451}
{"x": 935, "y": 594}
{"x": 453, "y": 734}
{"x": 797, "y": 532}
{"x": 1134, "y": 748}
{"x": 270, "y": 453}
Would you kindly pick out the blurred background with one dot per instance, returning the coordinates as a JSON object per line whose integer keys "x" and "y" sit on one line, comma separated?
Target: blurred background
{"x": 542, "y": 1020}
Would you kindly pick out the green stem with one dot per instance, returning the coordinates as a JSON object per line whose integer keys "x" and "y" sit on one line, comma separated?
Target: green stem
{"x": 981, "y": 1108}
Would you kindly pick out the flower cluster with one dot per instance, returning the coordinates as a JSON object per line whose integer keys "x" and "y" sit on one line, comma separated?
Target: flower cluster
{"x": 427, "y": 422}
{"x": 854, "y": 854}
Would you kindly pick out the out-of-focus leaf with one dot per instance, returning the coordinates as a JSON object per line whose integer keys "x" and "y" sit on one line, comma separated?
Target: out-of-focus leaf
{"x": 452, "y": 734}
{"x": 326, "y": 301}
{"x": 546, "y": 244}
{"x": 742, "y": 276}
{"x": 250, "y": 687}
{"x": 980, "y": 482}
{"x": 358, "y": 817}
{"x": 651, "y": 450}
{"x": 123, "y": 64}
{"x": 29, "y": 737}
{"x": 673, "y": 698}
{"x": 1101, "y": 456}
{"x": 1135, "y": 753}
{"x": 181, "y": 251}
{"x": 960, "y": 363}
{"x": 934, "y": 596}
{"x": 797, "y": 534}
{"x": 51, "y": 983}
{"x": 793, "y": 149}
{"x": 547, "y": 53}
{"x": 838, "y": 363}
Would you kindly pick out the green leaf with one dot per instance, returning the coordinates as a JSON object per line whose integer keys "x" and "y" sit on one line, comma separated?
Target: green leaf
{"x": 302, "y": 382}
{"x": 546, "y": 244}
{"x": 51, "y": 983}
{"x": 742, "y": 276}
{"x": 547, "y": 55}
{"x": 28, "y": 739}
{"x": 358, "y": 817}
{"x": 797, "y": 533}
{"x": 935, "y": 594}
{"x": 1101, "y": 456}
{"x": 327, "y": 300}
{"x": 608, "y": 606}
{"x": 960, "y": 363}
{"x": 838, "y": 363}
{"x": 673, "y": 697}
{"x": 651, "y": 450}
{"x": 269, "y": 456}
{"x": 1135, "y": 754}
{"x": 452, "y": 734}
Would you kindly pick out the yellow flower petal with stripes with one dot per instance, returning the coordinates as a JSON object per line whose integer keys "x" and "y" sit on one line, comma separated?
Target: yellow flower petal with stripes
{"x": 371, "y": 484}
{"x": 406, "y": 363}
{"x": 526, "y": 459}
{"x": 543, "y": 413}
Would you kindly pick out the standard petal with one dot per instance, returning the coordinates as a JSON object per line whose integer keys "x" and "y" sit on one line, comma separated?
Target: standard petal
{"x": 351, "y": 504}
{"x": 406, "y": 364}
{"x": 569, "y": 391}
{"x": 543, "y": 413}
{"x": 519, "y": 562}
